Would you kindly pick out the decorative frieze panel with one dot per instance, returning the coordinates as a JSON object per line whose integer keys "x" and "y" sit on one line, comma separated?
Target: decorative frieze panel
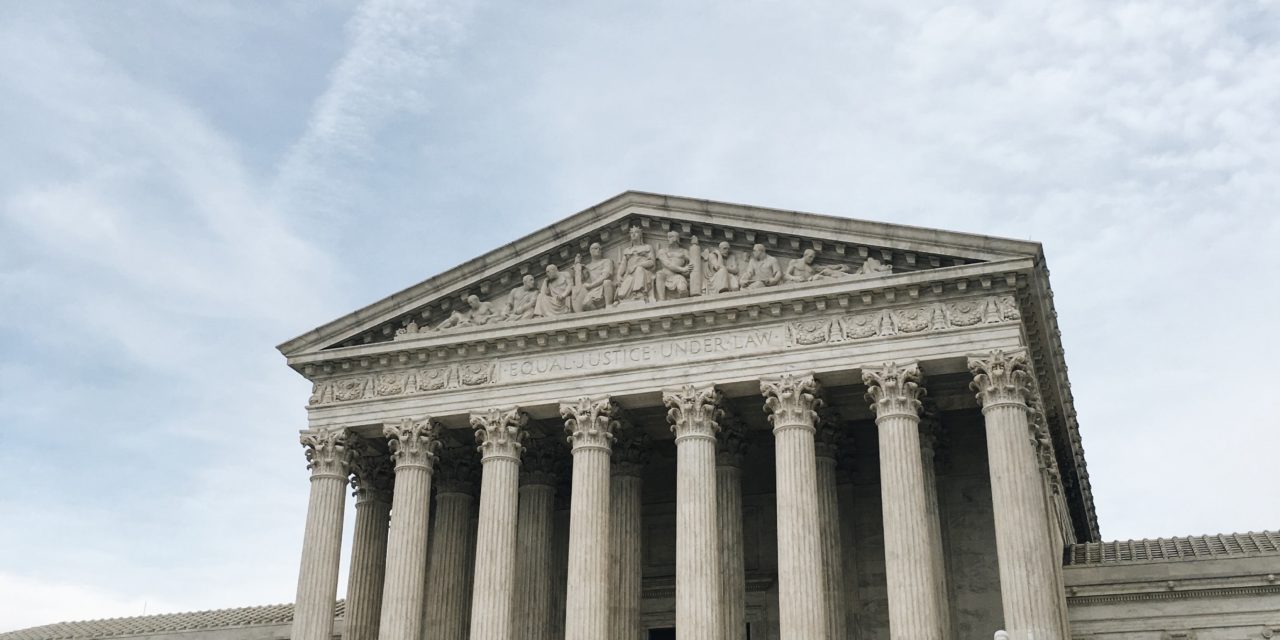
{"x": 882, "y": 323}
{"x": 868, "y": 325}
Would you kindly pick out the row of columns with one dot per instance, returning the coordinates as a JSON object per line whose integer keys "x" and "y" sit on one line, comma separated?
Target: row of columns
{"x": 389, "y": 597}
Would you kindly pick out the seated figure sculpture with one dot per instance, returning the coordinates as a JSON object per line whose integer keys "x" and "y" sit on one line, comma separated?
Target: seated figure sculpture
{"x": 722, "y": 269}
{"x": 594, "y": 288}
{"x": 522, "y": 300}
{"x": 554, "y": 294}
{"x": 635, "y": 279}
{"x": 674, "y": 267}
{"x": 762, "y": 270}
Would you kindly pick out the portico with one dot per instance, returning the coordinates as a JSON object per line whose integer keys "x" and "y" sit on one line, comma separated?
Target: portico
{"x": 707, "y": 445}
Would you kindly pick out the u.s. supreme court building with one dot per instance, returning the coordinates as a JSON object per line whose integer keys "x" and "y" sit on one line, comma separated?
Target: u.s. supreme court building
{"x": 667, "y": 416}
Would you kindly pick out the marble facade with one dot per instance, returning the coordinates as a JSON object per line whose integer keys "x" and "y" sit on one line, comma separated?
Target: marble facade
{"x": 809, "y": 341}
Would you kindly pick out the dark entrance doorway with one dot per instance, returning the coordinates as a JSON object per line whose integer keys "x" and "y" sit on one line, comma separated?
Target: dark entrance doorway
{"x": 662, "y": 634}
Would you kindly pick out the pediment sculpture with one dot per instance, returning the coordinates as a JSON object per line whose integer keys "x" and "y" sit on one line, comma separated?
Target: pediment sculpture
{"x": 642, "y": 274}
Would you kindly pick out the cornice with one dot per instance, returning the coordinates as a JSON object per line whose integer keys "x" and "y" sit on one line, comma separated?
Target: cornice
{"x": 724, "y": 310}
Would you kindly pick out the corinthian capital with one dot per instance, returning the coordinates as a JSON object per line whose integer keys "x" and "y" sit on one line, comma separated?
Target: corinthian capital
{"x": 590, "y": 422}
{"x": 1001, "y": 378}
{"x": 544, "y": 461}
{"x": 457, "y": 468}
{"x": 792, "y": 401}
{"x": 693, "y": 411}
{"x": 371, "y": 473}
{"x": 630, "y": 449}
{"x": 413, "y": 443}
{"x": 328, "y": 451}
{"x": 500, "y": 432}
{"x": 732, "y": 444}
{"x": 832, "y": 434}
{"x": 893, "y": 389}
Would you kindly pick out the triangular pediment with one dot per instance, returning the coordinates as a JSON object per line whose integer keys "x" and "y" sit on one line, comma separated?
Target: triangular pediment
{"x": 714, "y": 253}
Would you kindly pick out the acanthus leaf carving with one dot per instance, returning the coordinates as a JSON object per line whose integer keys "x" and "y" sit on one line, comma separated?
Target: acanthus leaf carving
{"x": 590, "y": 422}
{"x": 732, "y": 445}
{"x": 791, "y": 400}
{"x": 328, "y": 451}
{"x": 500, "y": 433}
{"x": 693, "y": 411}
{"x": 413, "y": 443}
{"x": 893, "y": 389}
{"x": 1001, "y": 378}
{"x": 372, "y": 474}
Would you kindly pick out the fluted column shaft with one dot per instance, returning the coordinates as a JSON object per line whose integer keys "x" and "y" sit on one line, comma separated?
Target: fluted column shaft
{"x": 693, "y": 412}
{"x": 413, "y": 445}
{"x": 625, "y": 552}
{"x": 801, "y": 598}
{"x": 733, "y": 577}
{"x": 914, "y": 609}
{"x": 590, "y": 426}
{"x": 928, "y": 447}
{"x": 328, "y": 458}
{"x": 372, "y": 478}
{"x": 1029, "y": 585}
{"x": 501, "y": 435}
{"x": 448, "y": 593}
{"x": 832, "y": 556}
{"x": 534, "y": 548}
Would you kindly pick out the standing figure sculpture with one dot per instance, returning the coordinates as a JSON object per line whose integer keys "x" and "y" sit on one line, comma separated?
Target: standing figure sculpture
{"x": 635, "y": 282}
{"x": 674, "y": 267}
{"x": 594, "y": 289}
{"x": 803, "y": 269}
{"x": 554, "y": 295}
{"x": 722, "y": 269}
{"x": 522, "y": 301}
{"x": 762, "y": 270}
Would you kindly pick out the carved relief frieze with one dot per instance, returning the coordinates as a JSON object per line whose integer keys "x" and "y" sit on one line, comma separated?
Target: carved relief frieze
{"x": 881, "y": 323}
{"x": 731, "y": 343}
{"x": 641, "y": 273}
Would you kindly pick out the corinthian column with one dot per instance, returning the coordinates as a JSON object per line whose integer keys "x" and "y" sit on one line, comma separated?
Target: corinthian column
{"x": 501, "y": 436}
{"x": 446, "y": 616}
{"x": 590, "y": 424}
{"x": 914, "y": 609}
{"x": 372, "y": 476}
{"x": 731, "y": 448}
{"x": 543, "y": 462}
{"x": 829, "y": 438}
{"x": 694, "y": 413}
{"x": 630, "y": 454}
{"x": 1029, "y": 586}
{"x": 930, "y": 432}
{"x": 792, "y": 403}
{"x": 328, "y": 458}
{"x": 413, "y": 446}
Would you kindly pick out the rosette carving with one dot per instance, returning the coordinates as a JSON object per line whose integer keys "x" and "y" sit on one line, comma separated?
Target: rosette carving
{"x": 372, "y": 474}
{"x": 1001, "y": 378}
{"x": 500, "y": 432}
{"x": 731, "y": 444}
{"x": 329, "y": 451}
{"x": 791, "y": 400}
{"x": 590, "y": 422}
{"x": 413, "y": 443}
{"x": 693, "y": 411}
{"x": 893, "y": 389}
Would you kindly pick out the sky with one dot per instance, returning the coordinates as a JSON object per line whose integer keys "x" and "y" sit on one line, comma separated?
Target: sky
{"x": 185, "y": 185}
